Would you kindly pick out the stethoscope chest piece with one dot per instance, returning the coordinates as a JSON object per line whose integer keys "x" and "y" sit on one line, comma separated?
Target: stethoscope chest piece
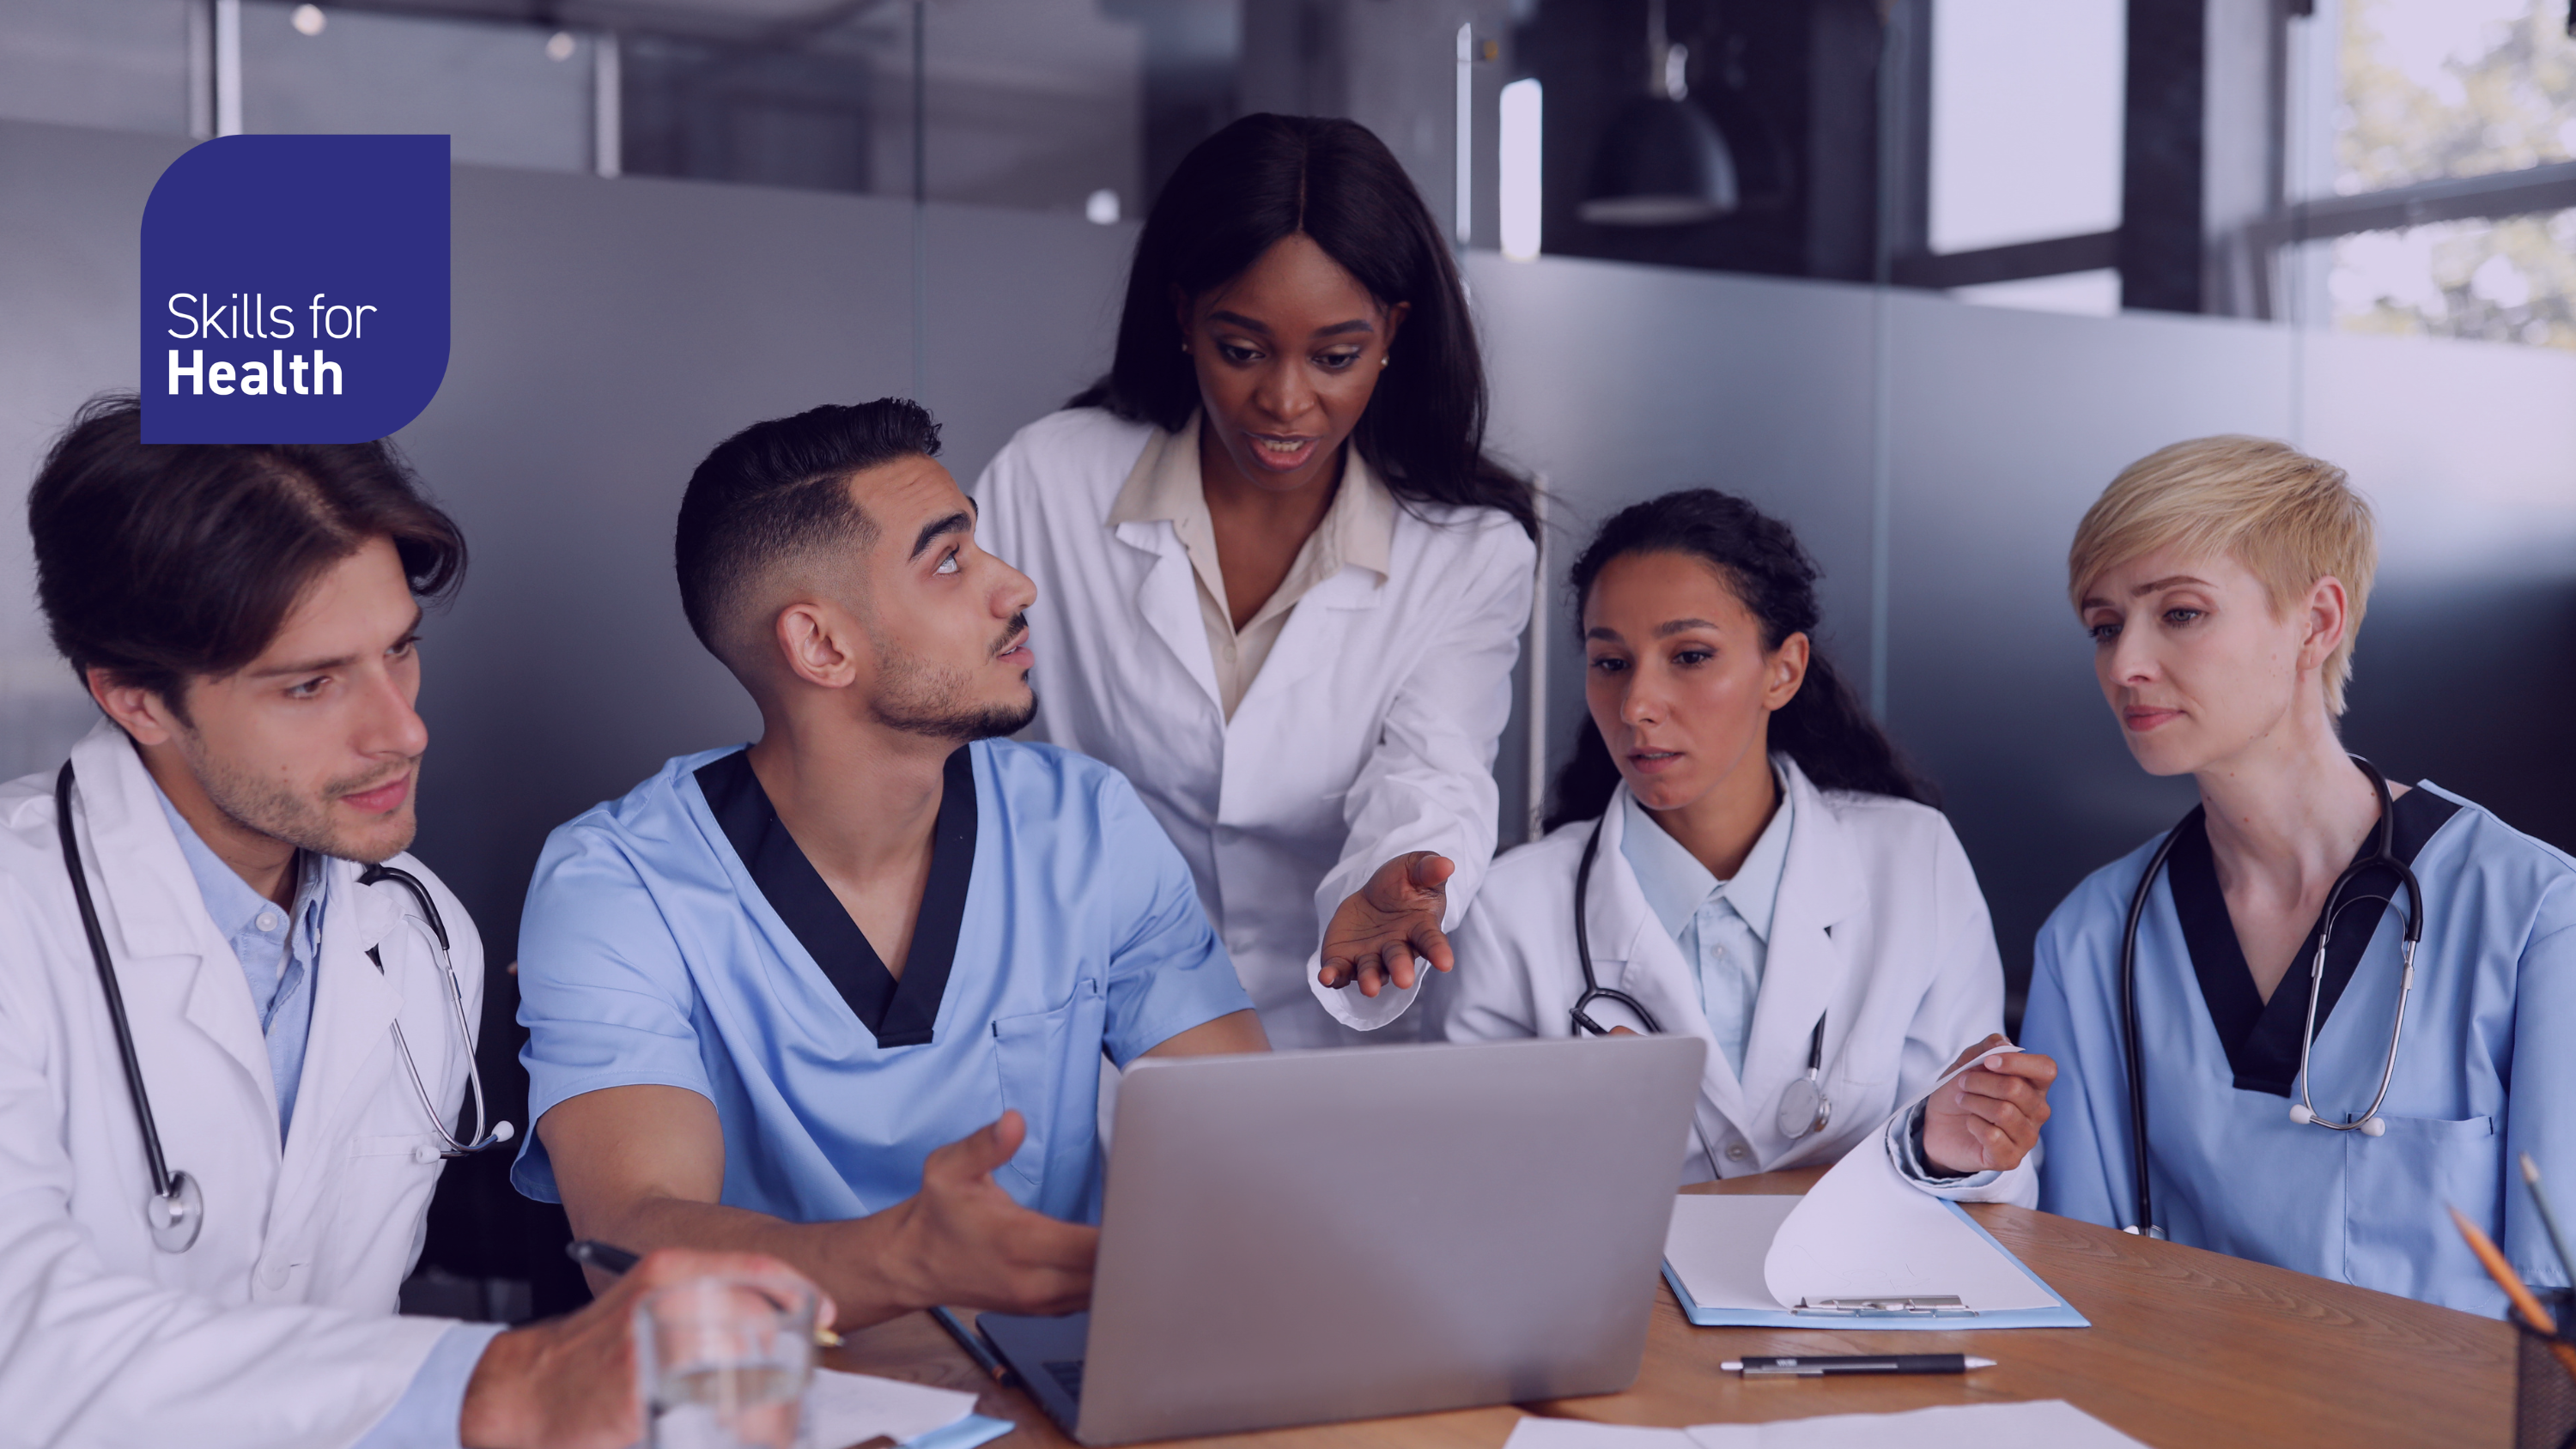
{"x": 1804, "y": 1107}
{"x": 176, "y": 1215}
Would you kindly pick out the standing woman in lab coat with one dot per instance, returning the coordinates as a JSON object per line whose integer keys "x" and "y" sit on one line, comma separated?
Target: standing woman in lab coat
{"x": 1757, "y": 868}
{"x": 1280, "y": 585}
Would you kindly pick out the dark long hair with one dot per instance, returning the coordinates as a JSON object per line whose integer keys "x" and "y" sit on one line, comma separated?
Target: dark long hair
{"x": 1823, "y": 726}
{"x": 1268, "y": 177}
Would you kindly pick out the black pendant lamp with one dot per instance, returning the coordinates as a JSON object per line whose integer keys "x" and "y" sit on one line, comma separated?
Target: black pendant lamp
{"x": 1663, "y": 162}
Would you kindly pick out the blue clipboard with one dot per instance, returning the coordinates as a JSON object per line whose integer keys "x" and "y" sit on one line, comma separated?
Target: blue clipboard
{"x": 1879, "y": 1319}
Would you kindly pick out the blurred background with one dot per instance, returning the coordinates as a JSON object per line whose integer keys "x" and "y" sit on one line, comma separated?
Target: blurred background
{"x": 1917, "y": 275}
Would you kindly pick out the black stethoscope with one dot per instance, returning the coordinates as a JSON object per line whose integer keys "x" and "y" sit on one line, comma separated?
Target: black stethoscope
{"x": 2383, "y": 855}
{"x": 1804, "y": 1107}
{"x": 176, "y": 1210}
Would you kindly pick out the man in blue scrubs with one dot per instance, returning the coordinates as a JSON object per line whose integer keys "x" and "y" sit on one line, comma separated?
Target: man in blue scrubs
{"x": 843, "y": 995}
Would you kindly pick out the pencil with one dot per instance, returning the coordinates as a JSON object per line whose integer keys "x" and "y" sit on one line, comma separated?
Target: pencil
{"x": 2523, "y": 1302}
{"x": 2548, "y": 1218}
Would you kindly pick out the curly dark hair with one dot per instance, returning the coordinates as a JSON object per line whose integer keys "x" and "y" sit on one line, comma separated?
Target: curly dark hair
{"x": 1823, "y": 726}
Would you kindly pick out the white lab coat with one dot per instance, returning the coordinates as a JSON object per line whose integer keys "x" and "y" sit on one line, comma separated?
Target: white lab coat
{"x": 277, "y": 1328}
{"x": 1878, "y": 926}
{"x": 1369, "y": 732}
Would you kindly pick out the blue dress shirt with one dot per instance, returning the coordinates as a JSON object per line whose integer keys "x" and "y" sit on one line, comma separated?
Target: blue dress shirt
{"x": 1723, "y": 927}
{"x": 650, "y": 953}
{"x": 277, "y": 948}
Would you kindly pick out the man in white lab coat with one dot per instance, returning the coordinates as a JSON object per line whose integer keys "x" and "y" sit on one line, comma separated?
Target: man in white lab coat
{"x": 206, "y": 1207}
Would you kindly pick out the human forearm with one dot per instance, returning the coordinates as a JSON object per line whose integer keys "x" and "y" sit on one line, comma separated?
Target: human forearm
{"x": 863, "y": 1264}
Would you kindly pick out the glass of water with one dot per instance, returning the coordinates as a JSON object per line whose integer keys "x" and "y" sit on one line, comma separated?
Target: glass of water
{"x": 722, "y": 1363}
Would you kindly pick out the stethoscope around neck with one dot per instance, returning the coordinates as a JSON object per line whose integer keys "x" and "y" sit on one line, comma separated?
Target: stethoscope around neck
{"x": 176, "y": 1209}
{"x": 2383, "y": 855}
{"x": 1804, "y": 1107}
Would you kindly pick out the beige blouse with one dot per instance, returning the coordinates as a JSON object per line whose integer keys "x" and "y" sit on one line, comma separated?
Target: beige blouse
{"x": 1165, "y": 486}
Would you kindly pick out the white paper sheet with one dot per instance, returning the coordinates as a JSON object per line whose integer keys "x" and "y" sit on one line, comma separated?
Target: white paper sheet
{"x": 2043, "y": 1424}
{"x": 1864, "y": 1231}
{"x": 1718, "y": 1244}
{"x": 1533, "y": 1432}
{"x": 845, "y": 1409}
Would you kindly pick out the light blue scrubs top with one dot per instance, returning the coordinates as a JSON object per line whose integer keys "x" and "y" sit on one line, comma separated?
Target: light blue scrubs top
{"x": 2486, "y": 1071}
{"x": 1723, "y": 927}
{"x": 648, "y": 956}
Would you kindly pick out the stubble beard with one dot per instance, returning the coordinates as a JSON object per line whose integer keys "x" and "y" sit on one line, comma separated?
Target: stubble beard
{"x": 937, "y": 703}
{"x": 304, "y": 822}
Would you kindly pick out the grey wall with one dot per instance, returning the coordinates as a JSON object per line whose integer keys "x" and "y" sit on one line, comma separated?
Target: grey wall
{"x": 607, "y": 333}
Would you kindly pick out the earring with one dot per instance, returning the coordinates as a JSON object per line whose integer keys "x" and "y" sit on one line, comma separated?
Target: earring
{"x": 1382, "y": 359}
{"x": 1185, "y": 347}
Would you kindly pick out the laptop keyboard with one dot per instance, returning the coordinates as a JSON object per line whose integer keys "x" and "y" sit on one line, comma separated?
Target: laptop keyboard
{"x": 1067, "y": 1372}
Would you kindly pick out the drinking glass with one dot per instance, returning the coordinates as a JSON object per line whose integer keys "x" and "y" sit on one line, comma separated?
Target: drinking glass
{"x": 722, "y": 1363}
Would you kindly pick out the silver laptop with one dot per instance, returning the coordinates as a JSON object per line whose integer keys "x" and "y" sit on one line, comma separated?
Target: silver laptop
{"x": 1306, "y": 1237}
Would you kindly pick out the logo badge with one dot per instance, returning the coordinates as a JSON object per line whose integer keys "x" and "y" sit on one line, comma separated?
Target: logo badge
{"x": 294, "y": 289}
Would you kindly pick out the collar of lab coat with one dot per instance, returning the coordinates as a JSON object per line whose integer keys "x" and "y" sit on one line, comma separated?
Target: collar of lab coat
{"x": 157, "y": 926}
{"x": 1167, "y": 596}
{"x": 1821, "y": 887}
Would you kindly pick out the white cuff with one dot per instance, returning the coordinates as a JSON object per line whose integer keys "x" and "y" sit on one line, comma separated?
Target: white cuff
{"x": 1358, "y": 1012}
{"x": 2018, "y": 1186}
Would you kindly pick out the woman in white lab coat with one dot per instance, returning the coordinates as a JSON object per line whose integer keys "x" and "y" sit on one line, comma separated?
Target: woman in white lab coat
{"x": 1280, "y": 585}
{"x": 1757, "y": 868}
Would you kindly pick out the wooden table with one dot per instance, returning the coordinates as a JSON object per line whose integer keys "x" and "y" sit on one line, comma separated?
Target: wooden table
{"x": 913, "y": 1347}
{"x": 2188, "y": 1350}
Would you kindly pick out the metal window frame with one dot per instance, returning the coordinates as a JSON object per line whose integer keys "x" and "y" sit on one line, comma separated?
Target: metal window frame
{"x": 2527, "y": 191}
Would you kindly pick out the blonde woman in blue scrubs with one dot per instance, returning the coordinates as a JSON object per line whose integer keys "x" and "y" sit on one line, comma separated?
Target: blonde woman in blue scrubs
{"x": 2223, "y": 582}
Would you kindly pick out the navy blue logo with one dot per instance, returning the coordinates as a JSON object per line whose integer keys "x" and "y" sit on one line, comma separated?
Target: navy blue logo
{"x": 295, "y": 289}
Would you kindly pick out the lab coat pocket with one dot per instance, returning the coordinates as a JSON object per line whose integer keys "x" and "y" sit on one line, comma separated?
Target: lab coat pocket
{"x": 421, "y": 1147}
{"x": 2396, "y": 1237}
{"x": 1048, "y": 1065}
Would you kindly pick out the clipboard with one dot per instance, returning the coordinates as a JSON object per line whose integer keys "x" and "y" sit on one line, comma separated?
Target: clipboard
{"x": 1895, "y": 1311}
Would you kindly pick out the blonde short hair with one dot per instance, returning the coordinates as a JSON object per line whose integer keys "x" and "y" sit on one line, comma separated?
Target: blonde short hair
{"x": 2288, "y": 518}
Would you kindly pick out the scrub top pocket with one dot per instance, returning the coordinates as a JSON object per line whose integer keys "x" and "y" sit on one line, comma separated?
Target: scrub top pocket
{"x": 1048, "y": 1066}
{"x": 2394, "y": 1184}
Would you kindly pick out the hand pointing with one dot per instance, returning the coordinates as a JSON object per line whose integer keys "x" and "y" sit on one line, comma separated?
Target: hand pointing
{"x": 1389, "y": 925}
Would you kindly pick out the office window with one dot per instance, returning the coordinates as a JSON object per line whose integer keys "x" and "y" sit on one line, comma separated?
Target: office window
{"x": 2512, "y": 280}
{"x": 2439, "y": 96}
{"x": 2443, "y": 88}
{"x": 2026, "y": 120}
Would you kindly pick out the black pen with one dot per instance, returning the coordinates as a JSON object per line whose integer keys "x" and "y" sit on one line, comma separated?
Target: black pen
{"x": 610, "y": 1258}
{"x": 971, "y": 1341}
{"x": 606, "y": 1257}
{"x": 1893, "y": 1363}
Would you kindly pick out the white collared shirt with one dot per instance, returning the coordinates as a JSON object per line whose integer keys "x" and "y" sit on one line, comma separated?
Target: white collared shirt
{"x": 1165, "y": 486}
{"x": 1723, "y": 927}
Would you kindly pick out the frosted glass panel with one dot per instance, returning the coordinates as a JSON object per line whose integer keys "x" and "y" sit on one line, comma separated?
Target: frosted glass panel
{"x": 2026, "y": 101}
{"x": 509, "y": 95}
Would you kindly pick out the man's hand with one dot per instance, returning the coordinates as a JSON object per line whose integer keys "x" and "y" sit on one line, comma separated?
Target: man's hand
{"x": 569, "y": 1383}
{"x": 1989, "y": 1117}
{"x": 1389, "y": 924}
{"x": 962, "y": 1240}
